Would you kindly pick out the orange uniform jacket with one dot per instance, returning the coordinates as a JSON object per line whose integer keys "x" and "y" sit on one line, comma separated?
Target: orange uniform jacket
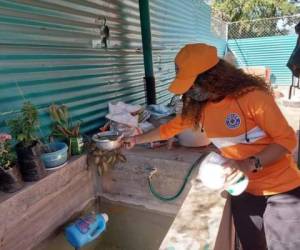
{"x": 256, "y": 112}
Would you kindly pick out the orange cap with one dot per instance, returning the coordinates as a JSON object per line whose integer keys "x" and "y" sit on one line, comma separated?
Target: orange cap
{"x": 192, "y": 60}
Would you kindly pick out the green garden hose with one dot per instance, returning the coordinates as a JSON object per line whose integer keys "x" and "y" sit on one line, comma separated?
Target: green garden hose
{"x": 186, "y": 178}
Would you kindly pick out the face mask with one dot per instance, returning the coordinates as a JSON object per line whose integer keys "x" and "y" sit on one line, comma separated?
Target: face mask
{"x": 198, "y": 94}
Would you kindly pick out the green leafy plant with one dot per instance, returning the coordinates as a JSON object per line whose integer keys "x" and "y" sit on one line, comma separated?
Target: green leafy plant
{"x": 8, "y": 157}
{"x": 256, "y": 18}
{"x": 241, "y": 10}
{"x": 23, "y": 127}
{"x": 62, "y": 126}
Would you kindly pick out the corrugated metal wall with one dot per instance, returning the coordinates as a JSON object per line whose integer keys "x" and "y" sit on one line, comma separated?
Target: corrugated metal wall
{"x": 46, "y": 53}
{"x": 173, "y": 24}
{"x": 272, "y": 52}
{"x": 46, "y": 56}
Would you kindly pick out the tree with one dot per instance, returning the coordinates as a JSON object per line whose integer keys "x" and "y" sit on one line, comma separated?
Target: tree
{"x": 248, "y": 10}
{"x": 240, "y": 10}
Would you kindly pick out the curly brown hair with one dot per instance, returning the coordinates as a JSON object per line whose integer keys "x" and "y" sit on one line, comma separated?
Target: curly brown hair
{"x": 223, "y": 80}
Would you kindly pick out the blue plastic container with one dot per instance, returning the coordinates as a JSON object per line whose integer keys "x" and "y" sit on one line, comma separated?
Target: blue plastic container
{"x": 85, "y": 229}
{"x": 56, "y": 158}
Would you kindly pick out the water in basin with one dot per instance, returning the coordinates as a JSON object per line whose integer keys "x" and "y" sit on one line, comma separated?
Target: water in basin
{"x": 128, "y": 228}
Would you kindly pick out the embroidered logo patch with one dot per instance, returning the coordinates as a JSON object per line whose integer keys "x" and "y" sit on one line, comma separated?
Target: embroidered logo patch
{"x": 233, "y": 121}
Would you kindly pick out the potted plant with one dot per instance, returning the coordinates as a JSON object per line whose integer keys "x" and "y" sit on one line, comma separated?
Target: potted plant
{"x": 28, "y": 148}
{"x": 10, "y": 177}
{"x": 55, "y": 155}
{"x": 65, "y": 129}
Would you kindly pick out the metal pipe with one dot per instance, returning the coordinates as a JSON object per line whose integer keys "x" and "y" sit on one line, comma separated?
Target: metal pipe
{"x": 147, "y": 51}
{"x": 299, "y": 146}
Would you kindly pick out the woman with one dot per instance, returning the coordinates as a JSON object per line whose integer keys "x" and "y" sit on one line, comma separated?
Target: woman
{"x": 241, "y": 118}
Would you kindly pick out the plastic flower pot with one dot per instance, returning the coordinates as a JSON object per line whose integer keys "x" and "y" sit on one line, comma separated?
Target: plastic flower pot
{"x": 10, "y": 179}
{"x": 29, "y": 152}
{"x": 57, "y": 156}
{"x": 31, "y": 166}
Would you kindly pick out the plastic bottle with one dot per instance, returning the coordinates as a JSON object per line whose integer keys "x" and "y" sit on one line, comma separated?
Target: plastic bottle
{"x": 213, "y": 175}
{"x": 85, "y": 229}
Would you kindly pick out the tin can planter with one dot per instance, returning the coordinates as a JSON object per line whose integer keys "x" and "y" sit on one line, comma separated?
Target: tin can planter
{"x": 31, "y": 165}
{"x": 76, "y": 145}
{"x": 10, "y": 179}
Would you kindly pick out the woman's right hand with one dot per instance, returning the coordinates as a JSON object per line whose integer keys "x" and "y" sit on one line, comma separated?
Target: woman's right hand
{"x": 234, "y": 170}
{"x": 129, "y": 142}
{"x": 232, "y": 177}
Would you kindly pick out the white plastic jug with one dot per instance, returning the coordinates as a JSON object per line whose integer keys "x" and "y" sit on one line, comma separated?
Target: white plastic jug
{"x": 213, "y": 175}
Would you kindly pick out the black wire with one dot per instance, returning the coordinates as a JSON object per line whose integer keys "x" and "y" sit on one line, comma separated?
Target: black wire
{"x": 245, "y": 123}
{"x": 203, "y": 119}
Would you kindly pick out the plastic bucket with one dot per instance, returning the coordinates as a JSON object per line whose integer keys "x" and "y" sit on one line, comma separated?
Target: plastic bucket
{"x": 57, "y": 157}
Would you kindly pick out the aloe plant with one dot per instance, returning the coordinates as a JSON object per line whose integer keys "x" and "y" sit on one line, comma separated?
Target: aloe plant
{"x": 62, "y": 126}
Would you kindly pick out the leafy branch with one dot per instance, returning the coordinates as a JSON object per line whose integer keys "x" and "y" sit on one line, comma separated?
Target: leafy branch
{"x": 23, "y": 127}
